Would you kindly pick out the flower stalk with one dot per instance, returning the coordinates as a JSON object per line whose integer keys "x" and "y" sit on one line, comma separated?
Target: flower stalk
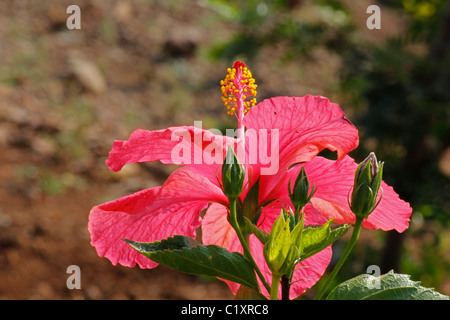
{"x": 242, "y": 240}
{"x": 274, "y": 288}
{"x": 343, "y": 258}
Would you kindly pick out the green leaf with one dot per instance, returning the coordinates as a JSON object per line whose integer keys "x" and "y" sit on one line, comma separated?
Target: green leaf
{"x": 181, "y": 253}
{"x": 315, "y": 239}
{"x": 390, "y": 286}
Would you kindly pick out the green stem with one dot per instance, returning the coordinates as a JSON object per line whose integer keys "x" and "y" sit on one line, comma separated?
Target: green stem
{"x": 348, "y": 249}
{"x": 274, "y": 289}
{"x": 235, "y": 225}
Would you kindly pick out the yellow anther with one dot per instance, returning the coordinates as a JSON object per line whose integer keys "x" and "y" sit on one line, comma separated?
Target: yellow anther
{"x": 237, "y": 86}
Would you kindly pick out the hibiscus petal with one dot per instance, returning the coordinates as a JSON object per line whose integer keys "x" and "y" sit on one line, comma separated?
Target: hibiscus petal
{"x": 310, "y": 121}
{"x": 185, "y": 145}
{"x": 334, "y": 181}
{"x": 217, "y": 230}
{"x": 186, "y": 184}
{"x": 306, "y": 125}
{"x": 309, "y": 271}
{"x": 133, "y": 217}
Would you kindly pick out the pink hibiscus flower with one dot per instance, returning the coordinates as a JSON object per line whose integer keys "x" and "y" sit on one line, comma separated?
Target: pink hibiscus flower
{"x": 192, "y": 196}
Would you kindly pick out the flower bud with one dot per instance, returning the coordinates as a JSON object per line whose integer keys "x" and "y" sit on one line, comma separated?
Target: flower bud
{"x": 300, "y": 195}
{"x": 368, "y": 177}
{"x": 282, "y": 249}
{"x": 233, "y": 175}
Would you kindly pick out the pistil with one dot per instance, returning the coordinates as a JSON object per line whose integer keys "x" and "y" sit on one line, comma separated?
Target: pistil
{"x": 238, "y": 86}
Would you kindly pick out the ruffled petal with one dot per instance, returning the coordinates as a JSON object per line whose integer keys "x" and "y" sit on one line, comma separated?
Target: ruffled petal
{"x": 306, "y": 125}
{"x": 311, "y": 121}
{"x": 185, "y": 145}
{"x": 186, "y": 184}
{"x": 135, "y": 218}
{"x": 334, "y": 181}
{"x": 391, "y": 213}
{"x": 309, "y": 271}
{"x": 217, "y": 230}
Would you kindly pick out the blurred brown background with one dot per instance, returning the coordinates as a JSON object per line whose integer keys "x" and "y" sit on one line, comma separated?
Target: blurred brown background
{"x": 66, "y": 95}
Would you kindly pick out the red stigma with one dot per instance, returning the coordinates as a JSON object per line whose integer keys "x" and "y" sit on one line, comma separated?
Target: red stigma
{"x": 238, "y": 64}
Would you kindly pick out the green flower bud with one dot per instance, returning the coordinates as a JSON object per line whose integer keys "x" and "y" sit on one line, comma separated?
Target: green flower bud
{"x": 368, "y": 177}
{"x": 282, "y": 249}
{"x": 233, "y": 175}
{"x": 300, "y": 195}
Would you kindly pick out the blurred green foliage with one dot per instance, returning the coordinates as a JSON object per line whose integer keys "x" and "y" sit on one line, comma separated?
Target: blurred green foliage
{"x": 268, "y": 23}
